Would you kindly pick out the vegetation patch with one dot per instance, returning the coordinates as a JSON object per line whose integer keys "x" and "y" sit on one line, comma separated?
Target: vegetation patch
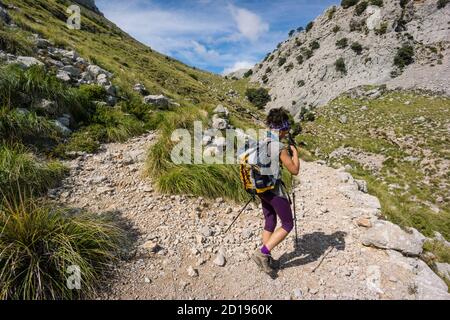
{"x": 357, "y": 47}
{"x": 348, "y": 3}
{"x": 20, "y": 170}
{"x": 442, "y": 3}
{"x": 404, "y": 56}
{"x": 361, "y": 7}
{"x": 340, "y": 66}
{"x": 40, "y": 243}
{"x": 258, "y": 97}
{"x": 410, "y": 193}
{"x": 342, "y": 43}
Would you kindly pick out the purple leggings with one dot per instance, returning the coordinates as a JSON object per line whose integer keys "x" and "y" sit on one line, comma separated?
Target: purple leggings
{"x": 274, "y": 205}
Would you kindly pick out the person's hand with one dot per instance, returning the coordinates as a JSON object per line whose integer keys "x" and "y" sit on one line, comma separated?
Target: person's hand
{"x": 294, "y": 151}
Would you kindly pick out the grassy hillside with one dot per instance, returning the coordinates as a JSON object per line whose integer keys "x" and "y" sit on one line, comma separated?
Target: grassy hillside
{"x": 106, "y": 45}
{"x": 399, "y": 144}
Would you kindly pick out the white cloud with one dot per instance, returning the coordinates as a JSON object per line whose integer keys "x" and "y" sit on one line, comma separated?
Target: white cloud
{"x": 213, "y": 35}
{"x": 238, "y": 66}
{"x": 250, "y": 25}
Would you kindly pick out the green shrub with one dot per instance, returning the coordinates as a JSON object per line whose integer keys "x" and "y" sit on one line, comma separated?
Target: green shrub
{"x": 382, "y": 29}
{"x": 39, "y": 243}
{"x": 248, "y": 74}
{"x": 211, "y": 181}
{"x": 340, "y": 66}
{"x": 336, "y": 29}
{"x": 357, "y": 47}
{"x": 93, "y": 92}
{"x": 439, "y": 249}
{"x": 314, "y": 45}
{"x": 265, "y": 78}
{"x": 289, "y": 67}
{"x": 22, "y": 88}
{"x": 301, "y": 83}
{"x": 307, "y": 53}
{"x": 21, "y": 170}
{"x": 361, "y": 7}
{"x": 25, "y": 127}
{"x": 9, "y": 43}
{"x": 85, "y": 140}
{"x": 442, "y": 3}
{"x": 107, "y": 125}
{"x": 348, "y": 3}
{"x": 309, "y": 26}
{"x": 378, "y": 3}
{"x": 258, "y": 97}
{"x": 403, "y": 3}
{"x": 331, "y": 12}
{"x": 291, "y": 33}
{"x": 404, "y": 56}
{"x": 357, "y": 25}
{"x": 281, "y": 61}
{"x": 300, "y": 59}
{"x": 342, "y": 43}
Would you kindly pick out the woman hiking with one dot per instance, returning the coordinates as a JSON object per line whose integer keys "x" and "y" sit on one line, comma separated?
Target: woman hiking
{"x": 276, "y": 202}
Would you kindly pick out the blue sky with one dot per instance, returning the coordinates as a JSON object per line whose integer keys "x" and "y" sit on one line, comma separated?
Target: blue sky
{"x": 215, "y": 35}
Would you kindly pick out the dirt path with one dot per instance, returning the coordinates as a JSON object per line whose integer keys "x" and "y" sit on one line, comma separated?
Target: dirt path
{"x": 330, "y": 261}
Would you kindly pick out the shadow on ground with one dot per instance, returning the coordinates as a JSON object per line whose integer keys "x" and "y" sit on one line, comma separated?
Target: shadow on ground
{"x": 311, "y": 247}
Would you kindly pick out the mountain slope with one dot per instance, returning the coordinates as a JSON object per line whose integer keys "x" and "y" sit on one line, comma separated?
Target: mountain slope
{"x": 303, "y": 69}
{"x": 103, "y": 43}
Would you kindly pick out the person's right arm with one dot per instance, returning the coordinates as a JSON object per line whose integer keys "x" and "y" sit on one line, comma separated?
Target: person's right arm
{"x": 292, "y": 164}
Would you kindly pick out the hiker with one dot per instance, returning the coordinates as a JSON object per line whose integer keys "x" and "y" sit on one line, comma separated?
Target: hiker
{"x": 276, "y": 202}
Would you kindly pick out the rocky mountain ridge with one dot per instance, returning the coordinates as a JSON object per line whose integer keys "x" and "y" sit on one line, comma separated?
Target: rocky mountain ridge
{"x": 90, "y": 4}
{"x": 400, "y": 44}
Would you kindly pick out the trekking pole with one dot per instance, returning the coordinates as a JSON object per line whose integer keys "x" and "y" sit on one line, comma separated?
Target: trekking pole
{"x": 292, "y": 143}
{"x": 237, "y": 217}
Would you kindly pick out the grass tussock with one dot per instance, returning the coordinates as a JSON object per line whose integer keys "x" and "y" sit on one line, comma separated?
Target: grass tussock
{"x": 207, "y": 180}
{"x": 210, "y": 181}
{"x": 21, "y": 170}
{"x": 19, "y": 126}
{"x": 38, "y": 244}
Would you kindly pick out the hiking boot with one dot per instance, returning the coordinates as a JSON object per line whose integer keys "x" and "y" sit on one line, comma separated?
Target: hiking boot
{"x": 263, "y": 261}
{"x": 274, "y": 264}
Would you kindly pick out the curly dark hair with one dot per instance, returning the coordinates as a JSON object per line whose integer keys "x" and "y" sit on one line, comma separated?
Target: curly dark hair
{"x": 277, "y": 117}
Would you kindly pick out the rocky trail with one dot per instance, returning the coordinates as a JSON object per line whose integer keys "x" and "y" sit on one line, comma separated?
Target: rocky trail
{"x": 182, "y": 253}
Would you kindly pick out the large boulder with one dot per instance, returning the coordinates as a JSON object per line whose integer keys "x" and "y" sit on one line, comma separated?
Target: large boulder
{"x": 95, "y": 71}
{"x": 219, "y": 123}
{"x": 64, "y": 76}
{"x": 140, "y": 88}
{"x": 428, "y": 285}
{"x": 386, "y": 235}
{"x": 72, "y": 71}
{"x": 28, "y": 61}
{"x": 71, "y": 55}
{"x": 220, "y": 110}
{"x": 159, "y": 101}
{"x": 102, "y": 79}
{"x": 42, "y": 43}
